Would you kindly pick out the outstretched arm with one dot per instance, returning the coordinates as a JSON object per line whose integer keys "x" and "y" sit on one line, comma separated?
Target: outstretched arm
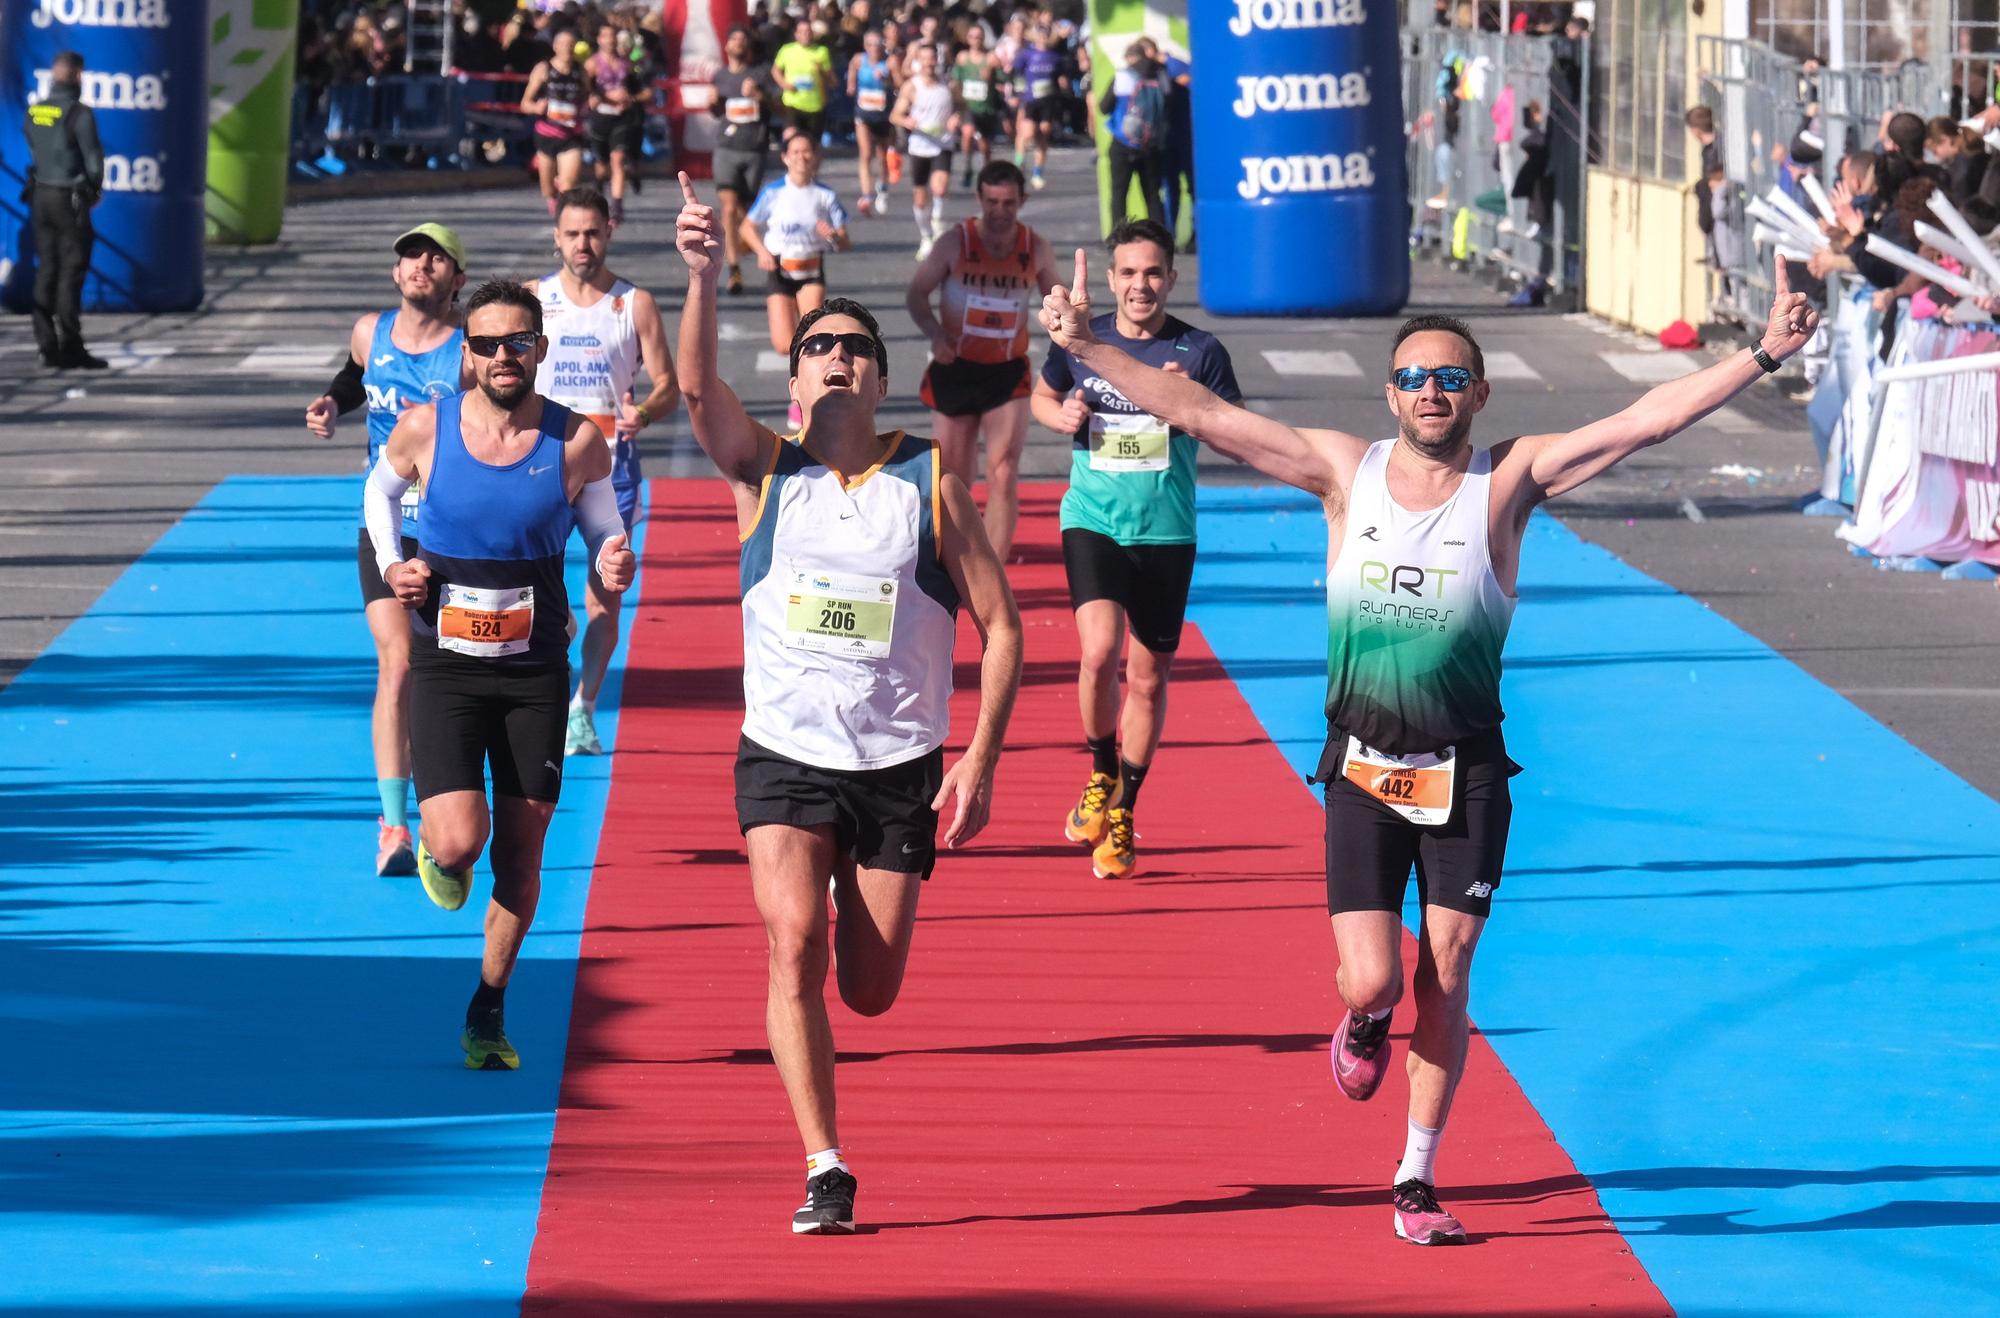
{"x": 1556, "y": 464}
{"x": 967, "y": 791}
{"x": 1307, "y": 459}
{"x": 737, "y": 445}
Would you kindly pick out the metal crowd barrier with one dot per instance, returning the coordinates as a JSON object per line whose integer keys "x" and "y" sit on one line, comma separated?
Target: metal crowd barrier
{"x": 1761, "y": 101}
{"x": 1462, "y": 174}
{"x": 446, "y": 119}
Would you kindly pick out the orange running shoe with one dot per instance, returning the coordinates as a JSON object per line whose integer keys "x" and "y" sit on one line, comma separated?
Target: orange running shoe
{"x": 895, "y": 162}
{"x": 1115, "y": 857}
{"x": 1086, "y": 823}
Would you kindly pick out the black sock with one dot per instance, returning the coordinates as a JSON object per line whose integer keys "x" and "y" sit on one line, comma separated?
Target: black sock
{"x": 1103, "y": 754}
{"x": 1130, "y": 777}
{"x": 485, "y": 999}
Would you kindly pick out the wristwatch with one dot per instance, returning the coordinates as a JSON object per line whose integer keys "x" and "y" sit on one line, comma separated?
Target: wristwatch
{"x": 1764, "y": 359}
{"x": 646, "y": 418}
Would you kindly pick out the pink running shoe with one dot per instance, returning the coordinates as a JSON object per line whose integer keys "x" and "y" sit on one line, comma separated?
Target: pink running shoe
{"x": 1360, "y": 1055}
{"x": 1420, "y": 1221}
{"x": 394, "y": 857}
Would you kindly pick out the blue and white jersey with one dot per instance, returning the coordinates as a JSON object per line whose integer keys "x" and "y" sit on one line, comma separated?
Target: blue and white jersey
{"x": 849, "y": 616}
{"x": 790, "y": 215}
{"x": 397, "y": 381}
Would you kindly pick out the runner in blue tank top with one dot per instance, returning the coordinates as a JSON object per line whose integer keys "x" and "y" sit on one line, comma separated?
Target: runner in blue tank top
{"x": 505, "y": 473}
{"x": 396, "y": 360}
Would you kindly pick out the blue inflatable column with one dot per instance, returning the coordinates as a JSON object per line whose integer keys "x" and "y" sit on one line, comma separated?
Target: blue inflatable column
{"x": 1301, "y": 203}
{"x": 146, "y": 75}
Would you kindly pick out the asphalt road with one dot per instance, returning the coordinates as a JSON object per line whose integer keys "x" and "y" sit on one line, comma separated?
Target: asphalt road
{"x": 99, "y": 465}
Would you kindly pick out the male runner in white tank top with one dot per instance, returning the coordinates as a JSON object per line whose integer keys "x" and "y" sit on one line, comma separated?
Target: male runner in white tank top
{"x": 1424, "y": 542}
{"x": 857, "y": 548}
{"x": 600, "y": 328}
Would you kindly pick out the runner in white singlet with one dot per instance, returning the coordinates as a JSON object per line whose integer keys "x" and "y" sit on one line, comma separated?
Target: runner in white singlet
{"x": 857, "y": 549}
{"x": 792, "y": 226}
{"x": 926, "y": 108}
{"x": 1424, "y": 534}
{"x": 600, "y": 328}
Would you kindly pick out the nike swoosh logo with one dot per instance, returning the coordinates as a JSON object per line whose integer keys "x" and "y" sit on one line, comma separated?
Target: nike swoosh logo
{"x": 536, "y": 471}
{"x": 846, "y": 517}
{"x": 911, "y": 848}
{"x": 385, "y": 359}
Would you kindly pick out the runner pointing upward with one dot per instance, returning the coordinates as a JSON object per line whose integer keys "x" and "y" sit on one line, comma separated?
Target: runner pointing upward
{"x": 1424, "y": 542}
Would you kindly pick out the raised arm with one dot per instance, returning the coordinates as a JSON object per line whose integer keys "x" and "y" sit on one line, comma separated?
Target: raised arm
{"x": 1308, "y": 459}
{"x": 739, "y": 447}
{"x": 1548, "y": 465}
{"x": 967, "y": 791}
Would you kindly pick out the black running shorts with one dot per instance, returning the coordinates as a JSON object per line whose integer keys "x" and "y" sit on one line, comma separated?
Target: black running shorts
{"x": 882, "y": 818}
{"x": 372, "y": 586}
{"x": 1370, "y": 849}
{"x": 557, "y": 146}
{"x": 615, "y": 132}
{"x": 784, "y": 285}
{"x": 1149, "y": 582}
{"x": 740, "y": 172}
{"x": 920, "y": 168}
{"x": 965, "y": 388}
{"x": 467, "y": 714}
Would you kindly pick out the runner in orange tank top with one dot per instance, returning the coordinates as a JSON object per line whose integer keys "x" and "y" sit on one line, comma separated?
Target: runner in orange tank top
{"x": 990, "y": 274}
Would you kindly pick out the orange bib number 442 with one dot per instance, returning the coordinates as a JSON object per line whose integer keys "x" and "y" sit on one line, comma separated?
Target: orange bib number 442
{"x": 1417, "y": 787}
{"x": 486, "y": 623}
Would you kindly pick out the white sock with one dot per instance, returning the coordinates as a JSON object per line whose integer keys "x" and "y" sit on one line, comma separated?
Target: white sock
{"x": 923, "y": 225}
{"x": 824, "y": 1160}
{"x": 937, "y": 211}
{"x": 1419, "y": 1156}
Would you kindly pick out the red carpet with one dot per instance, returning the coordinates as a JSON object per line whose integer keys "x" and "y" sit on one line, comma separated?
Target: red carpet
{"x": 1092, "y": 1098}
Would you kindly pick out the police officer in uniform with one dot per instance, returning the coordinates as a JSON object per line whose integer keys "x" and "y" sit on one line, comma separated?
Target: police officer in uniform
{"x": 68, "y": 179}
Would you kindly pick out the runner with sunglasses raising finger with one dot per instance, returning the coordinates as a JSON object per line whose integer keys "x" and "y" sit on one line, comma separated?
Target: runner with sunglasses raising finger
{"x": 1424, "y": 541}
{"x": 857, "y": 549}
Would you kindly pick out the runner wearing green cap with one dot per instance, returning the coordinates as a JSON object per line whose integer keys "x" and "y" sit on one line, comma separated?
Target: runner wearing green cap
{"x": 398, "y": 359}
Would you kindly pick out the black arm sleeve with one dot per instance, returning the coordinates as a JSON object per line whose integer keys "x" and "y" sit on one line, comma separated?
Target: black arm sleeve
{"x": 346, "y": 391}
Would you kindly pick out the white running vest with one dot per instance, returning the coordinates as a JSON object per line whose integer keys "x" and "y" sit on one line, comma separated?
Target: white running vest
{"x": 849, "y": 617}
{"x": 593, "y": 351}
{"x": 1416, "y": 620}
{"x": 930, "y": 111}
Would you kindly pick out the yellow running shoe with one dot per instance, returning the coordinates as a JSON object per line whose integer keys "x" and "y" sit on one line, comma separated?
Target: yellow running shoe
{"x": 486, "y": 1046}
{"x": 1115, "y": 857}
{"x": 1086, "y": 823}
{"x": 445, "y": 887}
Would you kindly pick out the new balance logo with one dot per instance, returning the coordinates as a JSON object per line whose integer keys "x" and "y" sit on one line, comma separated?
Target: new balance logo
{"x": 1480, "y": 890}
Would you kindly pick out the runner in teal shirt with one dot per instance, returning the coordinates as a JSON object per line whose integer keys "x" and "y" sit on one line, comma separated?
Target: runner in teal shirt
{"x": 1128, "y": 531}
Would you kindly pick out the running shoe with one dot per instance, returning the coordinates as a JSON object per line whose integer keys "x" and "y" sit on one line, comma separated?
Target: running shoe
{"x": 882, "y": 201}
{"x": 1115, "y": 857}
{"x": 924, "y": 247}
{"x": 1419, "y": 1220}
{"x": 1038, "y": 182}
{"x": 1360, "y": 1055}
{"x": 581, "y": 736}
{"x": 617, "y": 211}
{"x": 446, "y": 888}
{"x": 865, "y": 203}
{"x": 394, "y": 858}
{"x": 1086, "y": 823}
{"x": 894, "y": 161}
{"x": 486, "y": 1046}
{"x": 829, "y": 1206}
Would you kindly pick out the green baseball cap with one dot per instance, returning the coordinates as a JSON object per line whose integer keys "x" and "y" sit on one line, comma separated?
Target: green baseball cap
{"x": 445, "y": 238}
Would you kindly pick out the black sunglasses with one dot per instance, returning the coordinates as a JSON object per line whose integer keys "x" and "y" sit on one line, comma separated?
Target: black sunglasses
{"x": 1451, "y": 379}
{"x": 857, "y": 345}
{"x": 485, "y": 345}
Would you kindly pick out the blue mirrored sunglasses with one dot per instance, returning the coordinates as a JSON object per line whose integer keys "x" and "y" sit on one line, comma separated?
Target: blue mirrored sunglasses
{"x": 1451, "y": 379}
